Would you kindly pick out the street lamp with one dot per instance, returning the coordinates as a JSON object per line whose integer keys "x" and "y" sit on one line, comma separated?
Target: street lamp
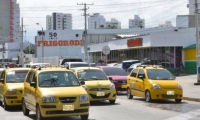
{"x": 42, "y": 43}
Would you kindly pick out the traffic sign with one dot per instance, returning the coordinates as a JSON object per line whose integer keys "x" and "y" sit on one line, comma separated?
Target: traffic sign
{"x": 106, "y": 50}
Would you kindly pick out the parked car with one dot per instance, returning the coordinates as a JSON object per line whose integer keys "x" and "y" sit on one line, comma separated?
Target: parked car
{"x": 76, "y": 64}
{"x": 153, "y": 83}
{"x": 117, "y": 75}
{"x": 97, "y": 84}
{"x": 11, "y": 86}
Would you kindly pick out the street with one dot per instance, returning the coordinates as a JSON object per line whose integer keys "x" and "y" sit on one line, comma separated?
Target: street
{"x": 124, "y": 109}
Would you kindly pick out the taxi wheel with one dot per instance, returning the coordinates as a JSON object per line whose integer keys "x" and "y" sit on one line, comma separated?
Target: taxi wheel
{"x": 129, "y": 96}
{"x": 112, "y": 101}
{"x": 84, "y": 117}
{"x": 25, "y": 110}
{"x": 178, "y": 100}
{"x": 38, "y": 113}
{"x": 5, "y": 106}
{"x": 148, "y": 96}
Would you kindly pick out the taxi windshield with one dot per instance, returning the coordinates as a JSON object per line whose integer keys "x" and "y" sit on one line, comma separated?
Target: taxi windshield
{"x": 91, "y": 75}
{"x": 159, "y": 74}
{"x": 58, "y": 79}
{"x": 16, "y": 76}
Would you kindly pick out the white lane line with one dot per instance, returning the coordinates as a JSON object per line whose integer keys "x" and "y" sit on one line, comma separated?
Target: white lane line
{"x": 186, "y": 116}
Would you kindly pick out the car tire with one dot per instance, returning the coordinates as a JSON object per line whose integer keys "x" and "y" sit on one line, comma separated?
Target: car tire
{"x": 5, "y": 106}
{"x": 129, "y": 96}
{"x": 25, "y": 110}
{"x": 38, "y": 113}
{"x": 84, "y": 117}
{"x": 112, "y": 101}
{"x": 148, "y": 96}
{"x": 178, "y": 100}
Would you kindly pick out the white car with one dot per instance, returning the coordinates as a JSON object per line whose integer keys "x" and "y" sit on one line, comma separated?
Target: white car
{"x": 76, "y": 64}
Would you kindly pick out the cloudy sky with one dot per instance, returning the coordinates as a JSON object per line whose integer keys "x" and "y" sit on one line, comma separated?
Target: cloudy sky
{"x": 154, "y": 12}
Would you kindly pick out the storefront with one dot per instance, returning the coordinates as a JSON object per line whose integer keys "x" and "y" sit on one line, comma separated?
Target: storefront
{"x": 162, "y": 48}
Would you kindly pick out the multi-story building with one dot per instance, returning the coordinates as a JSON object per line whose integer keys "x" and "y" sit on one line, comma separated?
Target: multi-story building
{"x": 137, "y": 22}
{"x": 59, "y": 21}
{"x": 96, "y": 21}
{"x": 166, "y": 24}
{"x": 10, "y": 33}
{"x": 113, "y": 24}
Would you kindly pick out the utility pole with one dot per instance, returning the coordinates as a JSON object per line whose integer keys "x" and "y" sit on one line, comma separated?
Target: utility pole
{"x": 85, "y": 31}
{"x": 197, "y": 42}
{"x": 21, "y": 44}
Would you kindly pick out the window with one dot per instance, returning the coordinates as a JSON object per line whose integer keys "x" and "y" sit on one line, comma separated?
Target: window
{"x": 29, "y": 78}
{"x": 141, "y": 72}
{"x": 91, "y": 75}
{"x": 115, "y": 71}
{"x": 17, "y": 76}
{"x": 157, "y": 74}
{"x": 134, "y": 73}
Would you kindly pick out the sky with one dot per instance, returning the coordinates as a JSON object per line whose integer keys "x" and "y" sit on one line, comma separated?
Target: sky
{"x": 154, "y": 12}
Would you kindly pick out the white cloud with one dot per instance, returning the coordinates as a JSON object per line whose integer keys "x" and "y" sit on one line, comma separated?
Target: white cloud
{"x": 153, "y": 11}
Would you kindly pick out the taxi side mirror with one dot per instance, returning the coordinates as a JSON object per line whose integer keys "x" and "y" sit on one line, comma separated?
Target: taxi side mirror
{"x": 33, "y": 84}
{"x": 82, "y": 82}
{"x": 67, "y": 67}
{"x": 2, "y": 80}
{"x": 141, "y": 77}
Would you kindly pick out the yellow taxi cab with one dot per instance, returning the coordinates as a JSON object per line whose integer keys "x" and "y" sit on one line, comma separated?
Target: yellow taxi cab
{"x": 97, "y": 84}
{"x": 54, "y": 92}
{"x": 153, "y": 83}
{"x": 11, "y": 86}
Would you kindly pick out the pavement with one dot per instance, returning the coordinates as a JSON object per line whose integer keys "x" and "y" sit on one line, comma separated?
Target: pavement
{"x": 191, "y": 92}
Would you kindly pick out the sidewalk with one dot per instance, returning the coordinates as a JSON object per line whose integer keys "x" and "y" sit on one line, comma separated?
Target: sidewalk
{"x": 190, "y": 91}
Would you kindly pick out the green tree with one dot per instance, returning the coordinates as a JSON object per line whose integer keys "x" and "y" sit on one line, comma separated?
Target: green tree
{"x": 29, "y": 51}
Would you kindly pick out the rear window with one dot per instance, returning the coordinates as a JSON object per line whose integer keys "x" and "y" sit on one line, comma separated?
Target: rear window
{"x": 115, "y": 71}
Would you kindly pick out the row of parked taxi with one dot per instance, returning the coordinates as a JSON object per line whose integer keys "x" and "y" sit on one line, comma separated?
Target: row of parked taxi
{"x": 52, "y": 91}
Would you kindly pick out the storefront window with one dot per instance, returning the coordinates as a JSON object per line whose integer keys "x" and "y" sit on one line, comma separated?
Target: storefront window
{"x": 172, "y": 57}
{"x": 152, "y": 56}
{"x": 178, "y": 56}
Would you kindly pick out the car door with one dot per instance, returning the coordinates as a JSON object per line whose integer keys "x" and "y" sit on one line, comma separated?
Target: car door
{"x": 33, "y": 92}
{"x": 140, "y": 83}
{"x": 132, "y": 81}
{"x": 2, "y": 85}
{"x": 27, "y": 90}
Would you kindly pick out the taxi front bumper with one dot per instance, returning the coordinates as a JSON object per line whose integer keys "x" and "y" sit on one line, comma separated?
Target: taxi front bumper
{"x": 166, "y": 93}
{"x": 57, "y": 110}
{"x": 13, "y": 100}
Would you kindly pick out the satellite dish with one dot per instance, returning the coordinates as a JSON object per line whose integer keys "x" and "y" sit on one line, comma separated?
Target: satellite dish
{"x": 106, "y": 50}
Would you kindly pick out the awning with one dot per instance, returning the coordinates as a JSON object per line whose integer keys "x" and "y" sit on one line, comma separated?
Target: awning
{"x": 190, "y": 47}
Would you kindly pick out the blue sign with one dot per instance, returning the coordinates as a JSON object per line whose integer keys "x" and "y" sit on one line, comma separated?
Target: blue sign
{"x": 31, "y": 45}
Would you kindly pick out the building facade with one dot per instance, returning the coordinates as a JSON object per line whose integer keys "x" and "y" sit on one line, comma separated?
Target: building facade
{"x": 96, "y": 21}
{"x": 137, "y": 22}
{"x": 166, "y": 24}
{"x": 59, "y": 21}
{"x": 192, "y": 6}
{"x": 113, "y": 24}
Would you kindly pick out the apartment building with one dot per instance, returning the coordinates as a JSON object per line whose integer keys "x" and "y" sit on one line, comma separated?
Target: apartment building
{"x": 137, "y": 22}
{"x": 96, "y": 21}
{"x": 59, "y": 21}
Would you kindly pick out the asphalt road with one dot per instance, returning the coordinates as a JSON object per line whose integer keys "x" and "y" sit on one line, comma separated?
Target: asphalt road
{"x": 124, "y": 109}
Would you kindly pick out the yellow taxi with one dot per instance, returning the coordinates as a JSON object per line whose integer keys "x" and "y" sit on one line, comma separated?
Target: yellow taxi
{"x": 54, "y": 92}
{"x": 97, "y": 84}
{"x": 153, "y": 83}
{"x": 11, "y": 86}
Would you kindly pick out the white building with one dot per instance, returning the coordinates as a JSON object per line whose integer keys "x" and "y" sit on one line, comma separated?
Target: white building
{"x": 9, "y": 28}
{"x": 96, "y": 21}
{"x": 166, "y": 24}
{"x": 113, "y": 24}
{"x": 137, "y": 22}
{"x": 59, "y": 21}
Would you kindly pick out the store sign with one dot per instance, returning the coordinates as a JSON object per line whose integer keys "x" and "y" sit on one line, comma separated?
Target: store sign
{"x": 60, "y": 43}
{"x": 134, "y": 42}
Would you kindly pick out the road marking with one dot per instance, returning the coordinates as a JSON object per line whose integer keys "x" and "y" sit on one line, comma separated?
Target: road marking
{"x": 186, "y": 116}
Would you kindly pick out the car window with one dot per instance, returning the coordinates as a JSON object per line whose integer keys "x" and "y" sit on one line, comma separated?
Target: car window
{"x": 57, "y": 79}
{"x": 91, "y": 75}
{"x": 134, "y": 73}
{"x": 141, "y": 72}
{"x": 29, "y": 78}
{"x": 115, "y": 71}
{"x": 159, "y": 74}
{"x": 79, "y": 65}
{"x": 17, "y": 76}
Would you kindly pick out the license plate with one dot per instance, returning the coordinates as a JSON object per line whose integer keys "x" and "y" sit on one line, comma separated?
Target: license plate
{"x": 100, "y": 93}
{"x": 170, "y": 92}
{"x": 68, "y": 107}
{"x": 123, "y": 86}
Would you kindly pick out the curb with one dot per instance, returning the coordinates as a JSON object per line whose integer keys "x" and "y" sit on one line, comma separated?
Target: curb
{"x": 191, "y": 99}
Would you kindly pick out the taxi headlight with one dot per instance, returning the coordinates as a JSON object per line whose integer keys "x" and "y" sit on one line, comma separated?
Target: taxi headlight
{"x": 112, "y": 86}
{"x": 48, "y": 99}
{"x": 180, "y": 87}
{"x": 85, "y": 87}
{"x": 83, "y": 97}
{"x": 156, "y": 86}
{"x": 10, "y": 92}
